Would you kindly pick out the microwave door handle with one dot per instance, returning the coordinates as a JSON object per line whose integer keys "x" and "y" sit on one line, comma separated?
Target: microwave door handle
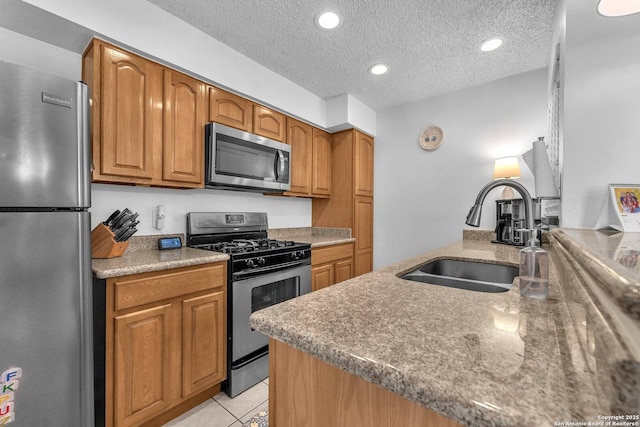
{"x": 280, "y": 164}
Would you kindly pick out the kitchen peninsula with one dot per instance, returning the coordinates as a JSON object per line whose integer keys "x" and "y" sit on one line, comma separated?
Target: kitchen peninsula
{"x": 456, "y": 357}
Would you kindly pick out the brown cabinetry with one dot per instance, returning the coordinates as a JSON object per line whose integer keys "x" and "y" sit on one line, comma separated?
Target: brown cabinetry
{"x": 303, "y": 387}
{"x": 310, "y": 160}
{"x": 331, "y": 265}
{"x": 165, "y": 343}
{"x": 183, "y": 133}
{"x": 229, "y": 109}
{"x": 300, "y": 137}
{"x": 240, "y": 113}
{"x": 321, "y": 164}
{"x": 351, "y": 202}
{"x": 269, "y": 123}
{"x": 147, "y": 120}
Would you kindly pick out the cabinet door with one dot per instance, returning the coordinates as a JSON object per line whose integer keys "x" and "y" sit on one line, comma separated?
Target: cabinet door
{"x": 363, "y": 231}
{"x": 363, "y": 158}
{"x": 299, "y": 136}
{"x": 268, "y": 123}
{"x": 143, "y": 342}
{"x": 203, "y": 342}
{"x": 322, "y": 276}
{"x": 183, "y": 136}
{"x": 229, "y": 109}
{"x": 130, "y": 114}
{"x": 321, "y": 167}
{"x": 343, "y": 270}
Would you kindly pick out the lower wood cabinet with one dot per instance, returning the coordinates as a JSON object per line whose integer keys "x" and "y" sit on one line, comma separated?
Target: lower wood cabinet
{"x": 165, "y": 343}
{"x": 306, "y": 391}
{"x": 331, "y": 265}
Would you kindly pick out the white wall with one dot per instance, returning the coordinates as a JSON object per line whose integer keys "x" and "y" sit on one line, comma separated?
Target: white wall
{"x": 19, "y": 49}
{"x": 602, "y": 110}
{"x": 282, "y": 212}
{"x": 422, "y": 197}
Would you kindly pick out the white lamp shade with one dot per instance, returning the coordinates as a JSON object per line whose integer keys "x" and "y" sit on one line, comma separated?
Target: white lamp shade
{"x": 618, "y": 7}
{"x": 506, "y": 167}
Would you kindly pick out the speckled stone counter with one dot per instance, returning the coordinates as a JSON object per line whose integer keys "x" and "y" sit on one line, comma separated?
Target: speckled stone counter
{"x": 480, "y": 359}
{"x": 316, "y": 236}
{"x": 142, "y": 256}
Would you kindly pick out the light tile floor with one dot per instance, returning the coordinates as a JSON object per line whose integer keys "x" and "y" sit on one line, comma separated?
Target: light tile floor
{"x": 222, "y": 411}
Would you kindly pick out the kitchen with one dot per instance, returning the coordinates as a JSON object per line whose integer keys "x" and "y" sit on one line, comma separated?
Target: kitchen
{"x": 586, "y": 168}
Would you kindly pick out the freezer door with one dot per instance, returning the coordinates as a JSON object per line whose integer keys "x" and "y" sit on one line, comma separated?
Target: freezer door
{"x": 45, "y": 318}
{"x": 44, "y": 134}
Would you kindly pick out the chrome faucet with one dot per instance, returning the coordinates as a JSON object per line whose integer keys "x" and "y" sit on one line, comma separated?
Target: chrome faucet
{"x": 473, "y": 218}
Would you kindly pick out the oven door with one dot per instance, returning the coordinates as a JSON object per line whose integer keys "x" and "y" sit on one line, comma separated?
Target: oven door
{"x": 256, "y": 293}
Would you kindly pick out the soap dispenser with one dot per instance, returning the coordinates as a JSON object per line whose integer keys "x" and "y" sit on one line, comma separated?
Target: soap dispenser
{"x": 534, "y": 270}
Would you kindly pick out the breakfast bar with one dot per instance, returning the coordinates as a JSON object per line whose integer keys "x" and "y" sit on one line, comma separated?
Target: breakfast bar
{"x": 468, "y": 358}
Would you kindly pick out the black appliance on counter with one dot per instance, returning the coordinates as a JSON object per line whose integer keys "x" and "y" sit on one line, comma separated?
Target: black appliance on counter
{"x": 510, "y": 219}
{"x": 261, "y": 272}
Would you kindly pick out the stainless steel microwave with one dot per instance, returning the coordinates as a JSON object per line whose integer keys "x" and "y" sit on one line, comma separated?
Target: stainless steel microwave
{"x": 239, "y": 160}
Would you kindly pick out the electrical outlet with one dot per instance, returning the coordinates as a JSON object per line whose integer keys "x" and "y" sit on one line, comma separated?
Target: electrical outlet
{"x": 158, "y": 216}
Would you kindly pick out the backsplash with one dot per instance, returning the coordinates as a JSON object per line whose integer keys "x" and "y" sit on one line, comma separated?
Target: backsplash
{"x": 281, "y": 211}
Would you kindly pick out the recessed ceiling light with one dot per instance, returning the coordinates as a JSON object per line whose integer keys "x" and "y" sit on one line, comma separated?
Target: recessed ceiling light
{"x": 491, "y": 44}
{"x": 618, "y": 7}
{"x": 328, "y": 20}
{"x": 378, "y": 69}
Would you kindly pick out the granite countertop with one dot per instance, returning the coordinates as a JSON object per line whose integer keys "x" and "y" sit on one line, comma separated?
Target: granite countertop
{"x": 613, "y": 258}
{"x": 316, "y": 236}
{"x": 143, "y": 256}
{"x": 481, "y": 359}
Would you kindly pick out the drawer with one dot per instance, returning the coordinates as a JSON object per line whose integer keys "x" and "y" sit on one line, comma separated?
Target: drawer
{"x": 331, "y": 253}
{"x": 140, "y": 289}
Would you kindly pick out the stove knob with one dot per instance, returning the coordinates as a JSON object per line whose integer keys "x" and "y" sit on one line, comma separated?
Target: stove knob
{"x": 261, "y": 261}
{"x": 250, "y": 263}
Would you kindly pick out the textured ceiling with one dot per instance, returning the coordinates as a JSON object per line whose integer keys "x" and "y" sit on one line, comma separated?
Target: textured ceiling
{"x": 431, "y": 46}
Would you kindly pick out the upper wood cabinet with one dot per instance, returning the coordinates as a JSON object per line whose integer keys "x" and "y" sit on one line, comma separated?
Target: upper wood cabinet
{"x": 183, "y": 133}
{"x": 300, "y": 137}
{"x": 134, "y": 103}
{"x": 363, "y": 165}
{"x": 269, "y": 123}
{"x": 310, "y": 160}
{"x": 125, "y": 90}
{"x": 229, "y": 109}
{"x": 321, "y": 164}
{"x": 240, "y": 113}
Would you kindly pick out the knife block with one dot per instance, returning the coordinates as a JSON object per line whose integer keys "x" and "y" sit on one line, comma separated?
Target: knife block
{"x": 103, "y": 245}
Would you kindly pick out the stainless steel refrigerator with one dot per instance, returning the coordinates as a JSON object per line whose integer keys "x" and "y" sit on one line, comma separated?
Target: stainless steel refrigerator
{"x": 46, "y": 356}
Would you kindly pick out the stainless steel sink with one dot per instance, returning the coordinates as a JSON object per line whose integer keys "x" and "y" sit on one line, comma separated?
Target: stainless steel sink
{"x": 463, "y": 274}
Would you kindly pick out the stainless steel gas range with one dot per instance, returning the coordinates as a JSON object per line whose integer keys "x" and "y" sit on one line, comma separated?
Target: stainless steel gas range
{"x": 262, "y": 272}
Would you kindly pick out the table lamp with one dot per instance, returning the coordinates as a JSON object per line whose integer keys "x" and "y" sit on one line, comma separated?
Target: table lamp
{"x": 508, "y": 168}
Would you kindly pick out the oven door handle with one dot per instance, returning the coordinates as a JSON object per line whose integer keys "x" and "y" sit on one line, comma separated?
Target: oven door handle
{"x": 271, "y": 269}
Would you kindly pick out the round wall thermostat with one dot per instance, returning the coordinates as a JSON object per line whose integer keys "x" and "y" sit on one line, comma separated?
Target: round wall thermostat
{"x": 431, "y": 138}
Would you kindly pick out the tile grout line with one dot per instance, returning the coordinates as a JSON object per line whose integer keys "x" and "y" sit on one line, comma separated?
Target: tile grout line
{"x": 251, "y": 411}
{"x": 230, "y": 413}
